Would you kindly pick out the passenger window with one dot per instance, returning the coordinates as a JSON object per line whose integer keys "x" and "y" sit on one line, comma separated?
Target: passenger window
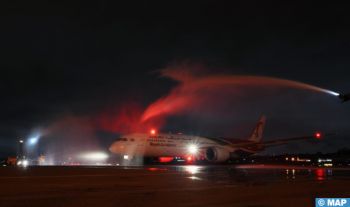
{"x": 132, "y": 139}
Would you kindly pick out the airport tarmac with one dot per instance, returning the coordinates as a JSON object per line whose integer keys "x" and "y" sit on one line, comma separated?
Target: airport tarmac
{"x": 220, "y": 185}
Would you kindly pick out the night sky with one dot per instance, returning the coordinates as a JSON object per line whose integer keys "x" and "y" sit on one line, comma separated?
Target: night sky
{"x": 86, "y": 62}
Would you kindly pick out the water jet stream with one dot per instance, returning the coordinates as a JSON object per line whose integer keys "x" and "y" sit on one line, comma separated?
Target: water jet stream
{"x": 191, "y": 89}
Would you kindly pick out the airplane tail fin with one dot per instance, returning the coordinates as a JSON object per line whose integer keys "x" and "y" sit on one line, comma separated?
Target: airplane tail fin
{"x": 258, "y": 131}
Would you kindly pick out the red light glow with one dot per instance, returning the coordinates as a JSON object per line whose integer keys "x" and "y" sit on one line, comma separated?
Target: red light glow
{"x": 165, "y": 159}
{"x": 123, "y": 118}
{"x": 320, "y": 174}
{"x": 153, "y": 132}
{"x": 156, "y": 169}
{"x": 189, "y": 158}
{"x": 318, "y": 135}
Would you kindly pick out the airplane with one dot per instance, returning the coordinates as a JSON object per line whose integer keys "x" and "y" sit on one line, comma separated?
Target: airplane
{"x": 189, "y": 148}
{"x": 344, "y": 97}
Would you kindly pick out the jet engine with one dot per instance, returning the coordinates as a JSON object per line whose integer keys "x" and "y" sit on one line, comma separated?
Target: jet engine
{"x": 214, "y": 154}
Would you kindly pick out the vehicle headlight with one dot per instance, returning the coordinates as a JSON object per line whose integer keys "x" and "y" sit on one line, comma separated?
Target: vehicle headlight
{"x": 25, "y": 163}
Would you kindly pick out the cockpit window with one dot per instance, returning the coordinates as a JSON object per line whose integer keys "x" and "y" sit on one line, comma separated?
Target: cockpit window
{"x": 132, "y": 139}
{"x": 123, "y": 139}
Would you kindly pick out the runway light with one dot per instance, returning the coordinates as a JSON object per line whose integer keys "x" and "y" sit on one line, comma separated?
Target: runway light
{"x": 193, "y": 149}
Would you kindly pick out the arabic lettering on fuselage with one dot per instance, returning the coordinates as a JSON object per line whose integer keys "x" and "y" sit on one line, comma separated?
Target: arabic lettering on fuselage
{"x": 160, "y": 137}
{"x": 167, "y": 141}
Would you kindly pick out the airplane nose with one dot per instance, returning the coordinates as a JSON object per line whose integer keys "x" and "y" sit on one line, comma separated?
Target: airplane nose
{"x": 114, "y": 147}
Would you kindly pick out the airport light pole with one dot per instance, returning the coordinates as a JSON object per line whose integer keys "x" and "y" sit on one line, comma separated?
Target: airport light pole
{"x": 20, "y": 154}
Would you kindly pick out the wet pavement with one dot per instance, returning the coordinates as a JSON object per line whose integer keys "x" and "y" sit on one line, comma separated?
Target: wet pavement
{"x": 217, "y": 185}
{"x": 231, "y": 174}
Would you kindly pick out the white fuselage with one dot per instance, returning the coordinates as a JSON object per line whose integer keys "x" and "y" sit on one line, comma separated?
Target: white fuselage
{"x": 163, "y": 145}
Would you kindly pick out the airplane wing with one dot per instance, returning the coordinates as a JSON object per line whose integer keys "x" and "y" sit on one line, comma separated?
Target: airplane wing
{"x": 277, "y": 142}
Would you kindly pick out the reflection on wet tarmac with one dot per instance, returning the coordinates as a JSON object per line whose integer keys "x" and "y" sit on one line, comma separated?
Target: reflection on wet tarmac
{"x": 255, "y": 175}
{"x": 194, "y": 178}
{"x": 192, "y": 169}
